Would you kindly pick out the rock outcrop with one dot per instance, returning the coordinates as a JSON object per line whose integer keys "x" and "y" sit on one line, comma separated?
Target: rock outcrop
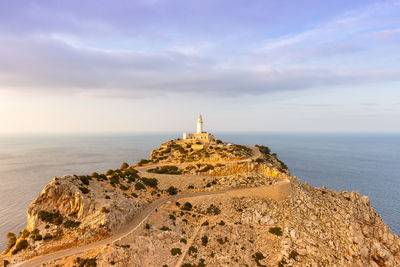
{"x": 266, "y": 218}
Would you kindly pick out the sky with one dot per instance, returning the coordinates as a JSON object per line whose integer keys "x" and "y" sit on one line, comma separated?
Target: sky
{"x": 124, "y": 66}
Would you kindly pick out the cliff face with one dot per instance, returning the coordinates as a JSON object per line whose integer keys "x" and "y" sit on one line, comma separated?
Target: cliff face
{"x": 264, "y": 217}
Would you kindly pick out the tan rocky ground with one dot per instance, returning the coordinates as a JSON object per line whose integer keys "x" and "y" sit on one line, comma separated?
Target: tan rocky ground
{"x": 263, "y": 218}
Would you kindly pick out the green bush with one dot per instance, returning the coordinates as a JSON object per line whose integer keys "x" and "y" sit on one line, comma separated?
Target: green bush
{"x": 183, "y": 240}
{"x": 204, "y": 240}
{"x": 147, "y": 226}
{"x": 114, "y": 179}
{"x": 172, "y": 190}
{"x": 35, "y": 235}
{"x": 276, "y": 231}
{"x": 20, "y": 245}
{"x": 165, "y": 228}
{"x": 123, "y": 187}
{"x": 258, "y": 256}
{"x": 139, "y": 186}
{"x": 95, "y": 175}
{"x": 187, "y": 206}
{"x": 143, "y": 162}
{"x": 192, "y": 250}
{"x": 172, "y": 217}
{"x": 151, "y": 182}
{"x": 86, "y": 262}
{"x": 222, "y": 240}
{"x": 124, "y": 166}
{"x": 84, "y": 180}
{"x": 293, "y": 254}
{"x": 6, "y": 263}
{"x": 221, "y": 223}
{"x": 176, "y": 251}
{"x": 84, "y": 190}
{"x": 166, "y": 170}
{"x": 71, "y": 224}
{"x": 12, "y": 239}
{"x": 50, "y": 217}
{"x": 264, "y": 149}
{"x": 214, "y": 210}
{"x": 109, "y": 172}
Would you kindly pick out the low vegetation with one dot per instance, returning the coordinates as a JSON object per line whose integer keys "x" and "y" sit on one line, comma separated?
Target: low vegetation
{"x": 166, "y": 170}
{"x": 276, "y": 231}
{"x": 50, "y": 217}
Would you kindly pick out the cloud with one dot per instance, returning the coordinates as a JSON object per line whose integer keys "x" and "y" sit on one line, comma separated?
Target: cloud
{"x": 387, "y": 35}
{"x": 60, "y": 59}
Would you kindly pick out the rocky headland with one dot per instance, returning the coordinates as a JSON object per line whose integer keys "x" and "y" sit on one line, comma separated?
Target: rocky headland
{"x": 217, "y": 204}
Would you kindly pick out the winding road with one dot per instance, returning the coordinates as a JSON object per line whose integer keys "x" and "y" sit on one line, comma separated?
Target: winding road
{"x": 136, "y": 222}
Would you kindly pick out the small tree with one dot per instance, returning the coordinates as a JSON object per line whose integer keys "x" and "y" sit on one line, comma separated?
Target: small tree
{"x": 124, "y": 166}
{"x": 172, "y": 190}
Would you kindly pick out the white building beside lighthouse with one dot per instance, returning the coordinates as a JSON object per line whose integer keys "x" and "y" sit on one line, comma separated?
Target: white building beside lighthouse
{"x": 200, "y": 134}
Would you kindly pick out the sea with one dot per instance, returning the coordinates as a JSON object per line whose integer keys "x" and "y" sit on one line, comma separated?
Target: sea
{"x": 368, "y": 163}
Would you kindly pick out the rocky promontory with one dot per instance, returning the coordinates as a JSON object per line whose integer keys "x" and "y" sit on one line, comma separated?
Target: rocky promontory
{"x": 220, "y": 205}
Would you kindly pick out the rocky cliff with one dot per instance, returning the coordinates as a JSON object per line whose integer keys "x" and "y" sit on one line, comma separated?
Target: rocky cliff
{"x": 262, "y": 217}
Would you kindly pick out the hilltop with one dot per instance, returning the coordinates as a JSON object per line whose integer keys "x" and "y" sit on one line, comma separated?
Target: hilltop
{"x": 201, "y": 204}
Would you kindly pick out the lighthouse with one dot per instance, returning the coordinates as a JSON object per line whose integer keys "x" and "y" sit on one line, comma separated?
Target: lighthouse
{"x": 199, "y": 124}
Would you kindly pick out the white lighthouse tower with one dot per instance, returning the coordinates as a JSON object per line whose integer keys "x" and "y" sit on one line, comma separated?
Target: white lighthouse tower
{"x": 199, "y": 124}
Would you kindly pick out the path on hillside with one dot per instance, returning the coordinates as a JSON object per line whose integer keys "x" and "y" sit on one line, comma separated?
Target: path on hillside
{"x": 136, "y": 221}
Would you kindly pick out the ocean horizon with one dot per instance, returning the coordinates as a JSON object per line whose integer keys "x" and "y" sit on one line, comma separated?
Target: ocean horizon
{"x": 364, "y": 162}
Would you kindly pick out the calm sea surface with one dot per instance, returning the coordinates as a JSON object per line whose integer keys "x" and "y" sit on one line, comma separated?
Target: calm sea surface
{"x": 369, "y": 163}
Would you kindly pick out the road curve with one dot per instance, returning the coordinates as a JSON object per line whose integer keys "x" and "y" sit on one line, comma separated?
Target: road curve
{"x": 136, "y": 222}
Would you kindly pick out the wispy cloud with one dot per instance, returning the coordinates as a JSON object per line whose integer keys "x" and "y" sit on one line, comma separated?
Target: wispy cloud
{"x": 103, "y": 56}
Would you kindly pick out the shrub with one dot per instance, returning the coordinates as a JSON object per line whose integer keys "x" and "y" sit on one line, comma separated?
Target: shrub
{"x": 212, "y": 209}
{"x": 165, "y": 228}
{"x": 264, "y": 149}
{"x": 183, "y": 240}
{"x": 50, "y": 217}
{"x": 124, "y": 166}
{"x": 222, "y": 240}
{"x": 172, "y": 217}
{"x": 86, "y": 262}
{"x": 114, "y": 179}
{"x": 20, "y": 245}
{"x": 176, "y": 251}
{"x": 134, "y": 195}
{"x": 258, "y": 256}
{"x": 24, "y": 234}
{"x": 187, "y": 206}
{"x": 84, "y": 190}
{"x": 6, "y": 263}
{"x": 152, "y": 182}
{"x": 221, "y": 223}
{"x": 192, "y": 250}
{"x": 139, "y": 186}
{"x": 47, "y": 236}
{"x": 12, "y": 239}
{"x": 147, "y": 226}
{"x": 84, "y": 180}
{"x": 204, "y": 240}
{"x": 172, "y": 190}
{"x": 123, "y": 187}
{"x": 71, "y": 224}
{"x": 142, "y": 162}
{"x": 293, "y": 254}
{"x": 107, "y": 197}
{"x": 35, "y": 235}
{"x": 95, "y": 175}
{"x": 104, "y": 210}
{"x": 109, "y": 172}
{"x": 205, "y": 223}
{"x": 166, "y": 170}
{"x": 275, "y": 230}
